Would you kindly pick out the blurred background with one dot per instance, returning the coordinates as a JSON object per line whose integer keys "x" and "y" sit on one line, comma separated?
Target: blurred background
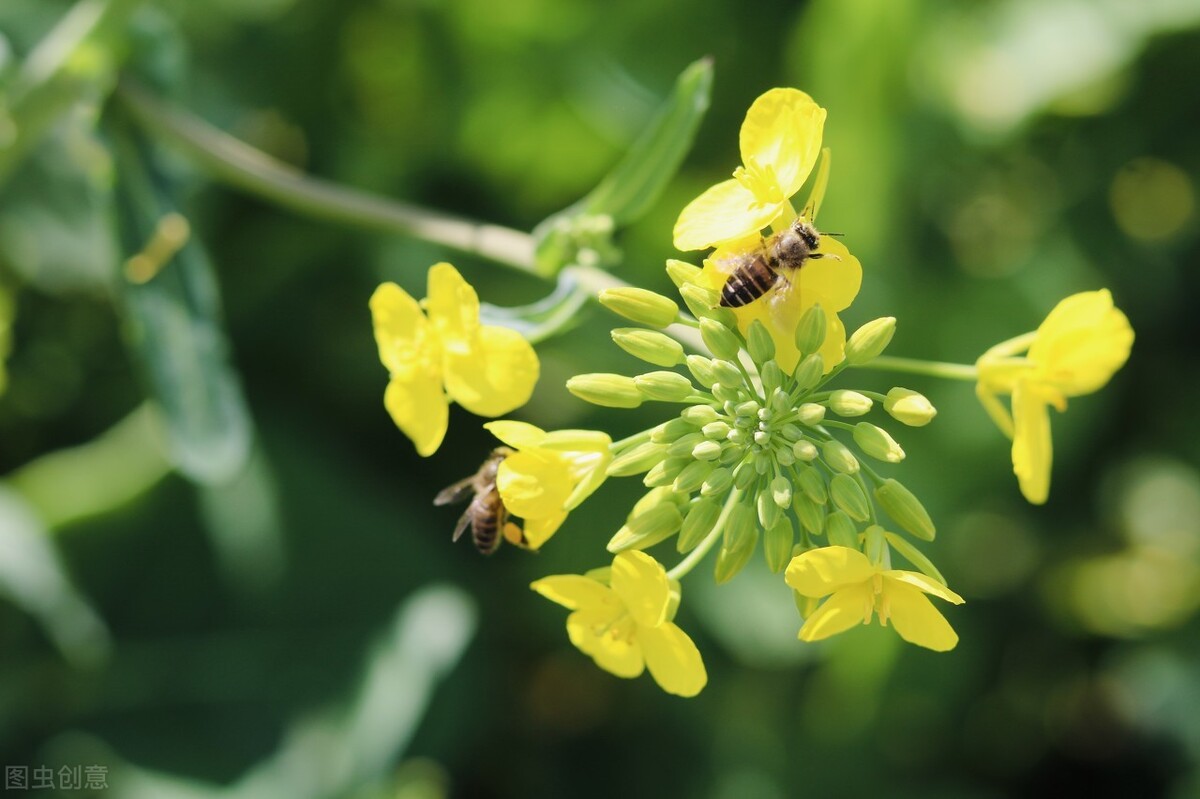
{"x": 251, "y": 594}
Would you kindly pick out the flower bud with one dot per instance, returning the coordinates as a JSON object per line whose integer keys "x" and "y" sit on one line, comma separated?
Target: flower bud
{"x": 849, "y": 403}
{"x": 737, "y": 544}
{"x": 701, "y": 369}
{"x": 664, "y": 386}
{"x": 708, "y": 450}
{"x": 783, "y": 455}
{"x": 681, "y": 272}
{"x": 768, "y": 511}
{"x": 699, "y": 415}
{"x": 693, "y": 476}
{"x": 874, "y": 545}
{"x": 717, "y": 483}
{"x": 716, "y": 431}
{"x": 848, "y": 495}
{"x": 729, "y": 394}
{"x": 810, "y": 514}
{"x": 870, "y": 340}
{"x": 772, "y": 376}
{"x": 914, "y": 556}
{"x": 647, "y": 528}
{"x": 682, "y": 446}
{"x": 840, "y": 530}
{"x": 727, "y": 373}
{"x": 671, "y": 430}
{"x": 813, "y": 485}
{"x": 909, "y": 407}
{"x": 649, "y": 345}
{"x": 640, "y": 305}
{"x": 720, "y": 340}
{"x": 811, "y": 414}
{"x": 665, "y": 472}
{"x": 777, "y": 544}
{"x": 698, "y": 522}
{"x": 744, "y": 475}
{"x": 839, "y": 457}
{"x": 791, "y": 433}
{"x": 810, "y": 371}
{"x": 810, "y": 333}
{"x": 804, "y": 451}
{"x": 907, "y": 511}
{"x": 781, "y": 491}
{"x": 608, "y": 390}
{"x": 699, "y": 300}
{"x": 877, "y": 442}
{"x": 637, "y": 460}
{"x": 731, "y": 455}
{"x": 651, "y": 499}
{"x": 759, "y": 342}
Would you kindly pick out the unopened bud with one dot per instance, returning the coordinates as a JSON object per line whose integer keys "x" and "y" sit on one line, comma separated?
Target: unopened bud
{"x": 708, "y": 450}
{"x": 701, "y": 369}
{"x": 640, "y": 305}
{"x": 608, "y": 390}
{"x": 744, "y": 475}
{"x": 813, "y": 485}
{"x": 727, "y": 373}
{"x": 664, "y": 386}
{"x": 804, "y": 451}
{"x": 693, "y": 476}
{"x": 874, "y": 545}
{"x": 840, "y": 530}
{"x": 772, "y": 375}
{"x": 698, "y": 522}
{"x": 681, "y": 272}
{"x": 810, "y": 333}
{"x": 699, "y": 415}
{"x": 811, "y": 414}
{"x": 848, "y": 495}
{"x": 849, "y": 403}
{"x": 907, "y": 511}
{"x": 671, "y": 430}
{"x": 665, "y": 472}
{"x": 810, "y": 371}
{"x": 781, "y": 491}
{"x": 720, "y": 340}
{"x": 768, "y": 511}
{"x": 717, "y": 431}
{"x": 877, "y": 442}
{"x": 870, "y": 340}
{"x": 810, "y": 514}
{"x": 909, "y": 407}
{"x": 682, "y": 446}
{"x": 914, "y": 556}
{"x": 738, "y": 542}
{"x": 637, "y": 460}
{"x": 648, "y": 528}
{"x": 759, "y": 342}
{"x": 777, "y": 544}
{"x": 699, "y": 300}
{"x": 839, "y": 457}
{"x": 649, "y": 345}
{"x": 717, "y": 483}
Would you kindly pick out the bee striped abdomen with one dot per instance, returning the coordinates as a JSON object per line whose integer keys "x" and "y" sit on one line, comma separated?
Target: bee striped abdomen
{"x": 747, "y": 283}
{"x": 488, "y": 516}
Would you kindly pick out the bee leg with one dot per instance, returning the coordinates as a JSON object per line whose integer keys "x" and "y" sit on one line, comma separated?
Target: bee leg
{"x": 817, "y": 255}
{"x": 513, "y": 534}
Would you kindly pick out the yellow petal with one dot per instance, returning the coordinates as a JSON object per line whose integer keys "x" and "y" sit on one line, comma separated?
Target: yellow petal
{"x": 1082, "y": 343}
{"x": 419, "y": 408}
{"x": 574, "y": 591}
{"x": 642, "y": 584}
{"x": 1032, "y": 448}
{"x": 846, "y": 608}
{"x": 673, "y": 659}
{"x": 533, "y": 484}
{"x": 783, "y": 131}
{"x": 923, "y": 582}
{"x": 916, "y": 619}
{"x": 401, "y": 331}
{"x": 538, "y": 530}
{"x": 518, "y": 435}
{"x": 453, "y": 306}
{"x": 610, "y": 643}
{"x": 577, "y": 440}
{"x": 831, "y": 282}
{"x": 820, "y": 572}
{"x": 724, "y": 212}
{"x": 495, "y": 374}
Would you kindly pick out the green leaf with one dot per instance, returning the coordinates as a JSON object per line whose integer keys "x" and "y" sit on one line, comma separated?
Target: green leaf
{"x": 173, "y": 324}
{"x": 582, "y": 233}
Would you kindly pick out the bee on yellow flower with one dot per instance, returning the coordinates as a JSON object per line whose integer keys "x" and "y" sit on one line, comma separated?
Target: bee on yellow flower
{"x": 445, "y": 354}
{"x": 1075, "y": 351}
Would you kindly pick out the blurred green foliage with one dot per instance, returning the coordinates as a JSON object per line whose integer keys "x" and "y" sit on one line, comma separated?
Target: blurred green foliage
{"x": 988, "y": 159}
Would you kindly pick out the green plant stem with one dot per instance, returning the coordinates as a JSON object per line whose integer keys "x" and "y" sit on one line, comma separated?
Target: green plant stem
{"x": 949, "y": 371}
{"x": 696, "y": 555}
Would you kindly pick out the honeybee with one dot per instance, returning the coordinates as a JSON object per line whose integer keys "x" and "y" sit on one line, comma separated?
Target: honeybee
{"x": 486, "y": 515}
{"x": 756, "y": 272}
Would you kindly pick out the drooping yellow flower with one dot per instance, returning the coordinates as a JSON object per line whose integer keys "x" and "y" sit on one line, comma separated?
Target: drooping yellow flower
{"x": 780, "y": 141}
{"x": 831, "y": 282}
{"x": 858, "y": 590}
{"x": 549, "y": 474}
{"x": 626, "y": 626}
{"x": 447, "y": 355}
{"x": 1075, "y": 351}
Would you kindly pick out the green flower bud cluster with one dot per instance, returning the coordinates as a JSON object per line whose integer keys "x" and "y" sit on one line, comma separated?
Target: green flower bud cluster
{"x": 756, "y": 454}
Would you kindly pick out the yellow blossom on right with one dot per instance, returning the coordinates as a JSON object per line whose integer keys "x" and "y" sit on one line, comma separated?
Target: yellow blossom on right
{"x": 1075, "y": 351}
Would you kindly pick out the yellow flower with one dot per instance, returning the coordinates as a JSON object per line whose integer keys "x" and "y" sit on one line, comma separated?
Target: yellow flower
{"x": 446, "y": 356}
{"x": 626, "y": 626}
{"x": 829, "y": 282}
{"x": 549, "y": 475}
{"x": 860, "y": 590}
{"x": 1075, "y": 351}
{"x": 780, "y": 141}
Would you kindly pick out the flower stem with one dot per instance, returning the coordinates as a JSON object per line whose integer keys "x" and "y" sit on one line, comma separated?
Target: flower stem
{"x": 696, "y": 555}
{"x": 950, "y": 371}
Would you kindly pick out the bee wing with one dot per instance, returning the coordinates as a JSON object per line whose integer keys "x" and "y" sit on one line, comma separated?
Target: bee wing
{"x": 456, "y": 493}
{"x": 463, "y": 521}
